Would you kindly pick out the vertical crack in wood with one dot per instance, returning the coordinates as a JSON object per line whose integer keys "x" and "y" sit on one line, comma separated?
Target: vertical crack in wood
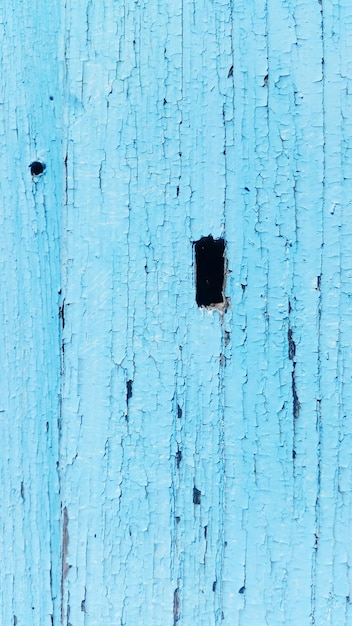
{"x": 64, "y": 564}
{"x": 176, "y": 607}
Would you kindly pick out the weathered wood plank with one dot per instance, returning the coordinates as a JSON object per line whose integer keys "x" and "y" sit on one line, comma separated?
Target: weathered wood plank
{"x": 204, "y": 457}
{"x": 31, "y": 129}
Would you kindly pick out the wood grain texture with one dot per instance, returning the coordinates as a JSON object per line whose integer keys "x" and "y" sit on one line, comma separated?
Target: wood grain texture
{"x": 30, "y": 129}
{"x": 166, "y": 464}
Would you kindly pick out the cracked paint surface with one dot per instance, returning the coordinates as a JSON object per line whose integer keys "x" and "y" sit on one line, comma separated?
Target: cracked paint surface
{"x": 165, "y": 464}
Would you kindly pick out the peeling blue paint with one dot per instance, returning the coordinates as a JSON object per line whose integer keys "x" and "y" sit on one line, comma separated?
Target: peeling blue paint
{"x": 164, "y": 463}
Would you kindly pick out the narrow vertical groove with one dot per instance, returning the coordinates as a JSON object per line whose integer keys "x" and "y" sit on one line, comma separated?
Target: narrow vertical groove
{"x": 320, "y": 283}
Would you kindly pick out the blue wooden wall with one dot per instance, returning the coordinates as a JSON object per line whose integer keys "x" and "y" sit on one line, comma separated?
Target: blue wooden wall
{"x": 163, "y": 464}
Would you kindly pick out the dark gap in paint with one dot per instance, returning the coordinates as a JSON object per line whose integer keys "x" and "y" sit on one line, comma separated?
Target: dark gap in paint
{"x": 176, "y": 606}
{"x": 15, "y": 620}
{"x": 210, "y": 270}
{"x": 230, "y": 72}
{"x": 178, "y": 519}
{"x": 296, "y": 405}
{"x": 129, "y": 390}
{"x": 291, "y": 356}
{"x": 37, "y": 168}
{"x": 214, "y": 585}
{"x": 291, "y": 345}
{"x": 196, "y": 495}
{"x": 205, "y": 532}
{"x": 178, "y": 457}
{"x": 62, "y": 313}
{"x": 242, "y": 590}
{"x": 179, "y": 411}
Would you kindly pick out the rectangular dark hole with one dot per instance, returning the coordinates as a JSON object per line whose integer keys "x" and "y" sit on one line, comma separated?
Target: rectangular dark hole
{"x": 210, "y": 268}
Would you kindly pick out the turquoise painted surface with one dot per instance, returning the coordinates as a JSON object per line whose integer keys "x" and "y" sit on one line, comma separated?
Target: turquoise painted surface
{"x": 162, "y": 463}
{"x": 30, "y": 215}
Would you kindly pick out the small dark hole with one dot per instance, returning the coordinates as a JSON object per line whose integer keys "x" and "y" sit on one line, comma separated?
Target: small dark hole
{"x": 242, "y": 590}
{"x": 210, "y": 269}
{"x": 37, "y": 168}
